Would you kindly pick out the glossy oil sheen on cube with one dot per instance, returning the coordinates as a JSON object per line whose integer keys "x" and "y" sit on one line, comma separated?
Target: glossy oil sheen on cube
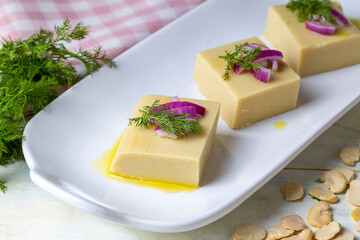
{"x": 244, "y": 99}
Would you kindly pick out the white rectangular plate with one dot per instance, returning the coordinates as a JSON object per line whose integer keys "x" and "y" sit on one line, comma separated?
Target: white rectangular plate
{"x": 63, "y": 141}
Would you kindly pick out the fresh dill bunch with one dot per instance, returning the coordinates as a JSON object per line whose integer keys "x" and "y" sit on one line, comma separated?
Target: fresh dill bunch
{"x": 307, "y": 9}
{"x": 10, "y": 144}
{"x": 170, "y": 123}
{"x": 10, "y": 141}
{"x": 242, "y": 57}
{"x": 31, "y": 72}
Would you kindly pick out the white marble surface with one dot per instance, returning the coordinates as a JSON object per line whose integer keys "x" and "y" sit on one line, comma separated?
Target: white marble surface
{"x": 28, "y": 212}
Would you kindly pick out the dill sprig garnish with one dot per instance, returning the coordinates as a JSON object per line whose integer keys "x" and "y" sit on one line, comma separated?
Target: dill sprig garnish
{"x": 31, "y": 72}
{"x": 170, "y": 123}
{"x": 2, "y": 186}
{"x": 308, "y": 9}
{"x": 242, "y": 57}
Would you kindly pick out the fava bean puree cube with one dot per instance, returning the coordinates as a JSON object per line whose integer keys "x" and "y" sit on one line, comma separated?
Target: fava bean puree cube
{"x": 308, "y": 52}
{"x": 244, "y": 99}
{"x": 142, "y": 154}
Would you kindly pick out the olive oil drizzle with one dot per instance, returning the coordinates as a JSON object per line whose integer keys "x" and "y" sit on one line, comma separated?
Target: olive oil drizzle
{"x": 102, "y": 165}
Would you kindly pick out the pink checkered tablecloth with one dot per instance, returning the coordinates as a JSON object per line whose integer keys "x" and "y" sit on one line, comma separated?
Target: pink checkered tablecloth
{"x": 115, "y": 24}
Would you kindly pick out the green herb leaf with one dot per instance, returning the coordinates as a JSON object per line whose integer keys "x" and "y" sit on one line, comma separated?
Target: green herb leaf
{"x": 242, "y": 57}
{"x": 315, "y": 198}
{"x": 3, "y": 188}
{"x": 170, "y": 123}
{"x": 307, "y": 9}
{"x": 318, "y": 180}
{"x": 31, "y": 72}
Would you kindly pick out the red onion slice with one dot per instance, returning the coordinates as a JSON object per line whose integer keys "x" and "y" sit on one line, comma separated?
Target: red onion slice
{"x": 269, "y": 55}
{"x": 325, "y": 29}
{"x": 265, "y": 54}
{"x": 179, "y": 107}
{"x": 275, "y": 65}
{"x": 262, "y": 75}
{"x": 263, "y": 63}
{"x": 161, "y": 133}
{"x": 174, "y": 99}
{"x": 185, "y": 110}
{"x": 237, "y": 69}
{"x": 339, "y": 18}
{"x": 255, "y": 45}
{"x": 178, "y": 104}
{"x": 315, "y": 17}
